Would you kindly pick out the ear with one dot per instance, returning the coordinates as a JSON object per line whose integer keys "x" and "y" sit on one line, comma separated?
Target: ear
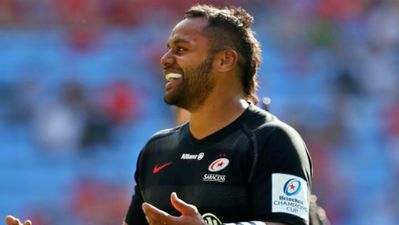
{"x": 226, "y": 60}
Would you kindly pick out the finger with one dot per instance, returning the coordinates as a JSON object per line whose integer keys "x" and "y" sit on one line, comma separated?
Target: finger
{"x": 28, "y": 222}
{"x": 10, "y": 220}
{"x": 154, "y": 215}
{"x": 181, "y": 206}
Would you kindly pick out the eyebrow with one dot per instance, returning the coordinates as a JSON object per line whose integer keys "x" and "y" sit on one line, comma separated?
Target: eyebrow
{"x": 178, "y": 41}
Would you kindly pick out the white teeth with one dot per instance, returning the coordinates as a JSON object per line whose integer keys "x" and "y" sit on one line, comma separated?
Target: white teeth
{"x": 173, "y": 76}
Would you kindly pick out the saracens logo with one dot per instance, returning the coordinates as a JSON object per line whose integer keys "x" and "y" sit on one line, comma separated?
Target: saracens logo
{"x": 218, "y": 165}
{"x": 292, "y": 186}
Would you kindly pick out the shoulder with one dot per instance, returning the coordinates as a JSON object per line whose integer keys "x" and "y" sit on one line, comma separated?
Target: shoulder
{"x": 263, "y": 123}
{"x": 166, "y": 137}
{"x": 280, "y": 146}
{"x": 276, "y": 137}
{"x": 165, "y": 133}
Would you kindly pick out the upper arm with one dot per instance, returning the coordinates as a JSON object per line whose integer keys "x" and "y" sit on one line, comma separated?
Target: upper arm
{"x": 282, "y": 178}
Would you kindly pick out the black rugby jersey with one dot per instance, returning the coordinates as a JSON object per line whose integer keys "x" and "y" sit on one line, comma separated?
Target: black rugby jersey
{"x": 256, "y": 168}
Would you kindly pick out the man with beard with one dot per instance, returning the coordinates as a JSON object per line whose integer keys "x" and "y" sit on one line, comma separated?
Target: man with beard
{"x": 232, "y": 163}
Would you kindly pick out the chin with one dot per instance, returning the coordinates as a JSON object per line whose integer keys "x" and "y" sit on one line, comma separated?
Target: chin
{"x": 170, "y": 100}
{"x": 175, "y": 101}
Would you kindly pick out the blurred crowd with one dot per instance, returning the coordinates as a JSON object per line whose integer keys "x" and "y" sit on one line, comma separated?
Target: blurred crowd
{"x": 81, "y": 92}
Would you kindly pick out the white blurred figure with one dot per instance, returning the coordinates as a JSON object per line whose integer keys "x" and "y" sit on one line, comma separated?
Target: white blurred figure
{"x": 59, "y": 122}
{"x": 379, "y": 67}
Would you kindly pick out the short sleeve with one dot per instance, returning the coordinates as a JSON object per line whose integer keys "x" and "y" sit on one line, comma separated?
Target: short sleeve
{"x": 282, "y": 176}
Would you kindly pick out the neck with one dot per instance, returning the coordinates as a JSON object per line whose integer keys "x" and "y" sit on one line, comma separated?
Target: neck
{"x": 214, "y": 115}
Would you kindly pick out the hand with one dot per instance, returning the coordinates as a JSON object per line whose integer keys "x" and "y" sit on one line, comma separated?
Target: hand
{"x": 189, "y": 214}
{"x": 10, "y": 220}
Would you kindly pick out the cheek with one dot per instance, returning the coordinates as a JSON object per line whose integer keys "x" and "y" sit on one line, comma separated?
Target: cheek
{"x": 182, "y": 66}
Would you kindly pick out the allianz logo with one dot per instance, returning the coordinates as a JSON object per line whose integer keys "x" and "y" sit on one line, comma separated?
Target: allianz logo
{"x": 188, "y": 156}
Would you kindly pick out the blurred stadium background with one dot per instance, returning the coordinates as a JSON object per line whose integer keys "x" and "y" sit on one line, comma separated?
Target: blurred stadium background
{"x": 81, "y": 92}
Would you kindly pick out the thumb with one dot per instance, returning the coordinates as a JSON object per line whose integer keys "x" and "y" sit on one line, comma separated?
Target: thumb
{"x": 181, "y": 206}
{"x": 10, "y": 220}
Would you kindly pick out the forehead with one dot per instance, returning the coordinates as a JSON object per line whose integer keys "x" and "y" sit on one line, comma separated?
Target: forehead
{"x": 189, "y": 30}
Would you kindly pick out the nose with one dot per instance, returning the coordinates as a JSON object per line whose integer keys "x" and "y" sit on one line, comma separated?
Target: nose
{"x": 167, "y": 59}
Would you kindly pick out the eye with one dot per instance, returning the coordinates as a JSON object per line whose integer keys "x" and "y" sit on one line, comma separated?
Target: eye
{"x": 180, "y": 50}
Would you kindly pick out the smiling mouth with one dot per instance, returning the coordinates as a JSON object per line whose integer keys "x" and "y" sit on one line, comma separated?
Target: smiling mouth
{"x": 174, "y": 79}
{"x": 173, "y": 76}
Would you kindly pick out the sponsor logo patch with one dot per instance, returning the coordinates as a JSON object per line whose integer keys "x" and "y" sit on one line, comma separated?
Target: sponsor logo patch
{"x": 218, "y": 164}
{"x": 158, "y": 168}
{"x": 214, "y": 178}
{"x": 290, "y": 195}
{"x": 292, "y": 186}
{"x": 188, "y": 156}
{"x": 211, "y": 219}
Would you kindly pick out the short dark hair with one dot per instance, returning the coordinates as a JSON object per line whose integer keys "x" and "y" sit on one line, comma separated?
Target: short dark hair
{"x": 230, "y": 28}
